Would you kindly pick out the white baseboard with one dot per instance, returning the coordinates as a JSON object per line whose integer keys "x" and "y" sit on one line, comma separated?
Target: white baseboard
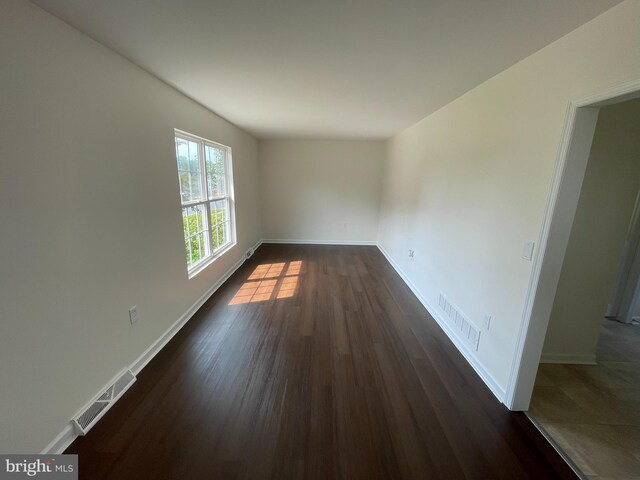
{"x": 60, "y": 443}
{"x": 153, "y": 350}
{"x": 489, "y": 381}
{"x": 320, "y": 242}
{"x": 569, "y": 358}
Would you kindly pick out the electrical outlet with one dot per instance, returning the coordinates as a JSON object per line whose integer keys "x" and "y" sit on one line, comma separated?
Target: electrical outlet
{"x": 133, "y": 314}
{"x": 487, "y": 321}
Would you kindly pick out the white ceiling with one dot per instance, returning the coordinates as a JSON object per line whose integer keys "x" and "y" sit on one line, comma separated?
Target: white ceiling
{"x": 325, "y": 68}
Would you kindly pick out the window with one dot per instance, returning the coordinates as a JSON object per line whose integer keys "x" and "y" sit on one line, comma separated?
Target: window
{"x": 206, "y": 196}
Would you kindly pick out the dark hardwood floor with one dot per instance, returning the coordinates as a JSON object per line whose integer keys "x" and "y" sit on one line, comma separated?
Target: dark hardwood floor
{"x": 313, "y": 362}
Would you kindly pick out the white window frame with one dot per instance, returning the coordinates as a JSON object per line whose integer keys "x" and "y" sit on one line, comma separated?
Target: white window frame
{"x": 206, "y": 201}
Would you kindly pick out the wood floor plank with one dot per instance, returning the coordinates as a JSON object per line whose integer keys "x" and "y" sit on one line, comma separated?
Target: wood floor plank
{"x": 313, "y": 362}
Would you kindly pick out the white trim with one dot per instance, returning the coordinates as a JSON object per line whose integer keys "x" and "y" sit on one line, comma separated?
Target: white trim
{"x": 612, "y": 94}
{"x": 198, "y": 267}
{"x": 569, "y": 358}
{"x": 153, "y": 350}
{"x": 534, "y": 278}
{"x": 486, "y": 377}
{"x": 198, "y": 138}
{"x": 61, "y": 442}
{"x": 322, "y": 242}
{"x": 527, "y": 347}
{"x": 68, "y": 434}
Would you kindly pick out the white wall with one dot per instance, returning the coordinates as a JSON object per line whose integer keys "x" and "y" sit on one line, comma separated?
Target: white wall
{"x": 90, "y": 218}
{"x": 599, "y": 230}
{"x": 466, "y": 186}
{"x": 311, "y": 188}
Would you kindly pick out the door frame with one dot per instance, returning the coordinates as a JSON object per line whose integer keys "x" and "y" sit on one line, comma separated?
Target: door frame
{"x": 571, "y": 164}
{"x": 623, "y": 297}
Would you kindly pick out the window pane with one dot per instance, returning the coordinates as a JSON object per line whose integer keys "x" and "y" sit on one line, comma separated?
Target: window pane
{"x": 214, "y": 159}
{"x": 196, "y": 233}
{"x": 194, "y": 164}
{"x": 214, "y": 236}
{"x": 223, "y": 233}
{"x": 192, "y": 220}
{"x": 185, "y": 186}
{"x": 220, "y": 223}
{"x": 182, "y": 153}
{"x": 188, "y": 170}
{"x": 218, "y": 211}
{"x": 198, "y": 247}
{"x": 196, "y": 192}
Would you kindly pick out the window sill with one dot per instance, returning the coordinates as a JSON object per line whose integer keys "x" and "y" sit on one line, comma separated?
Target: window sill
{"x": 201, "y": 266}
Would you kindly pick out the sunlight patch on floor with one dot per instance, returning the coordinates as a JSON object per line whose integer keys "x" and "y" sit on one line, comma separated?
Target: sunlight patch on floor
{"x": 268, "y": 280}
{"x": 268, "y": 270}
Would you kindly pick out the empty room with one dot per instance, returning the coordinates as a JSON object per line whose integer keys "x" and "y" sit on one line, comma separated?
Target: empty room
{"x": 341, "y": 239}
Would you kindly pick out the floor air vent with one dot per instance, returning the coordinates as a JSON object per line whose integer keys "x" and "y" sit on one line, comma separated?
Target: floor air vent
{"x": 89, "y": 415}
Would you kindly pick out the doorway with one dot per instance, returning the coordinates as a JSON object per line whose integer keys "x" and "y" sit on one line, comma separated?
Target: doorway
{"x": 587, "y": 391}
{"x": 573, "y": 154}
{"x": 624, "y": 305}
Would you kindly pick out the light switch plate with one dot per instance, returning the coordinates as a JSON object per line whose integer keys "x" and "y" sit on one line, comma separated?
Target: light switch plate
{"x": 527, "y": 250}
